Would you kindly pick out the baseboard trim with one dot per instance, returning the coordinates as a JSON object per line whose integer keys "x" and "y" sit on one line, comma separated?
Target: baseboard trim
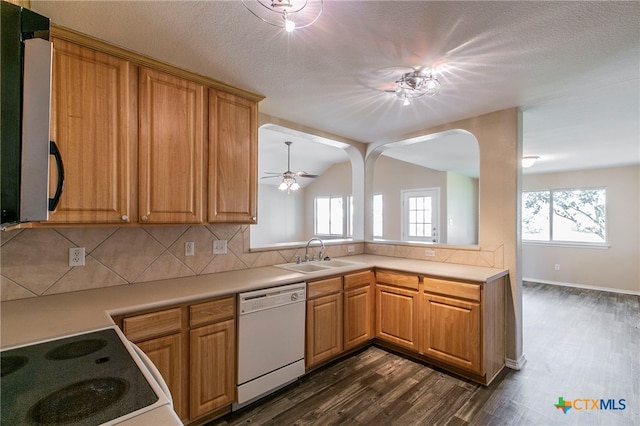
{"x": 586, "y": 287}
{"x": 515, "y": 365}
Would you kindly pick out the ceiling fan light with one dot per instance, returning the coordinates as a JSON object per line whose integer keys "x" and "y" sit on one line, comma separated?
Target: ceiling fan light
{"x": 283, "y": 186}
{"x": 279, "y": 13}
{"x": 295, "y": 186}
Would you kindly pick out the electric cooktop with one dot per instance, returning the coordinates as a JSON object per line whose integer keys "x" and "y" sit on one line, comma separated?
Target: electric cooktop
{"x": 86, "y": 379}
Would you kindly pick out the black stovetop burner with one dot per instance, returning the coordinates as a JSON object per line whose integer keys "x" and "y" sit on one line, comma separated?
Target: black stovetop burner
{"x": 88, "y": 379}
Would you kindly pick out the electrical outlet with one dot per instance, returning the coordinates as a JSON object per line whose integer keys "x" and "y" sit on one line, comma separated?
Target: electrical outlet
{"x": 556, "y": 266}
{"x": 430, "y": 253}
{"x": 189, "y": 248}
{"x": 219, "y": 246}
{"x": 351, "y": 249}
{"x": 76, "y": 256}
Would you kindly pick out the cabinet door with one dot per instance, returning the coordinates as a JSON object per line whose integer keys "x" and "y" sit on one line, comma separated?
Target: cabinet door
{"x": 358, "y": 308}
{"x": 324, "y": 329}
{"x": 213, "y": 367}
{"x": 397, "y": 316}
{"x": 171, "y": 153}
{"x": 233, "y": 158}
{"x": 452, "y": 331}
{"x": 166, "y": 354}
{"x": 94, "y": 124}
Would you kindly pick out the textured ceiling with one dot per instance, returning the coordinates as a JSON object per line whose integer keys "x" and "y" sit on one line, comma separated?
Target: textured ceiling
{"x": 573, "y": 67}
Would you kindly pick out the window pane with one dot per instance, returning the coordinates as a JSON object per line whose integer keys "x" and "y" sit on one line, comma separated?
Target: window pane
{"x": 322, "y": 216}
{"x": 377, "y": 215}
{"x": 535, "y": 216}
{"x": 579, "y": 215}
{"x": 336, "y": 224}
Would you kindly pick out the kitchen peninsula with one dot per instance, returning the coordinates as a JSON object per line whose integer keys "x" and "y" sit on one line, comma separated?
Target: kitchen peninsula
{"x": 477, "y": 290}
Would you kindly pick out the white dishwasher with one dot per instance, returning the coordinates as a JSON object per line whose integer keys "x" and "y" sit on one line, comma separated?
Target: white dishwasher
{"x": 271, "y": 328}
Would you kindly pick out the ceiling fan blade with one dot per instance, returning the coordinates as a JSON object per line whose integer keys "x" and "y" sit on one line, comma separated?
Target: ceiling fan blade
{"x": 268, "y": 177}
{"x": 305, "y": 175}
{"x": 272, "y": 173}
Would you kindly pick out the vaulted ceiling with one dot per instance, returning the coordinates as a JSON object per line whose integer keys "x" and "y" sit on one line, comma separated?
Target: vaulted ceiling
{"x": 572, "y": 67}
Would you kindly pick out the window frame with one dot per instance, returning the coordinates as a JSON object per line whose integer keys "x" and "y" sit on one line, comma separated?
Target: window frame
{"x": 551, "y": 214}
{"x": 347, "y": 216}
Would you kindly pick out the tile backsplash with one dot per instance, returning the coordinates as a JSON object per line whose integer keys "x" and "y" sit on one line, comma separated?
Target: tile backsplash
{"x": 35, "y": 262}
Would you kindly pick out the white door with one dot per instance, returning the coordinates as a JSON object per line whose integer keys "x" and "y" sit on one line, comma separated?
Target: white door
{"x": 420, "y": 219}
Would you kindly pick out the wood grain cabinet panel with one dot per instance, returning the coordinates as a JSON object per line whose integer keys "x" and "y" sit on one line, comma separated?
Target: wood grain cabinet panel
{"x": 167, "y": 355}
{"x": 324, "y": 329}
{"x": 358, "y": 316}
{"x": 212, "y": 375}
{"x": 233, "y": 158}
{"x": 452, "y": 331}
{"x": 94, "y": 123}
{"x": 358, "y": 309}
{"x": 171, "y": 148}
{"x": 397, "y": 316}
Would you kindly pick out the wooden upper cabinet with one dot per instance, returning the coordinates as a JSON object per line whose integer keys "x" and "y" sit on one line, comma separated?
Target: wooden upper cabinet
{"x": 94, "y": 123}
{"x": 171, "y": 148}
{"x": 233, "y": 158}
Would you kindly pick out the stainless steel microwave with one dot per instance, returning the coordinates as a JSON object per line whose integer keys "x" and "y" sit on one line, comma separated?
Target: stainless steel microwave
{"x": 25, "y": 147}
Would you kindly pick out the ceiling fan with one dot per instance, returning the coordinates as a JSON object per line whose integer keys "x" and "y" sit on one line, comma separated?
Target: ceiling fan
{"x": 289, "y": 182}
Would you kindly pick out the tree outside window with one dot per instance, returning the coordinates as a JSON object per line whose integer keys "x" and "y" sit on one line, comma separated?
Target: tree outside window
{"x": 567, "y": 215}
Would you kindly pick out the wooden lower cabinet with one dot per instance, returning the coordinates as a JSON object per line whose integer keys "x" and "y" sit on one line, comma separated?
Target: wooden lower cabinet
{"x": 457, "y": 325}
{"x": 194, "y": 348}
{"x": 212, "y": 375}
{"x": 452, "y": 331}
{"x": 397, "y": 316}
{"x": 167, "y": 355}
{"x": 358, "y": 309}
{"x": 397, "y": 308}
{"x": 324, "y": 328}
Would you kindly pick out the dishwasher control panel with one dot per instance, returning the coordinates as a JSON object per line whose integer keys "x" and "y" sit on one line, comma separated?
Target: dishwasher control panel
{"x": 271, "y": 297}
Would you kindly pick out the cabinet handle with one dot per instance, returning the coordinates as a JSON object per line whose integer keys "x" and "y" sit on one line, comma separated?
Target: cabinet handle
{"x": 144, "y": 218}
{"x": 125, "y": 218}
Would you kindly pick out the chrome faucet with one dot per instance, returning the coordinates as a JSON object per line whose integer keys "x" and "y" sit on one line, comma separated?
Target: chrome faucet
{"x": 306, "y": 250}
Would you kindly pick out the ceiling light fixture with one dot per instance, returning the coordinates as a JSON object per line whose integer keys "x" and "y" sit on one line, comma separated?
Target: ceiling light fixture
{"x": 529, "y": 160}
{"x": 414, "y": 84}
{"x": 287, "y": 14}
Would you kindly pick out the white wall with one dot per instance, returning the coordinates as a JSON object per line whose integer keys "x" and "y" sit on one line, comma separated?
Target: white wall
{"x": 462, "y": 209}
{"x": 616, "y": 267}
{"x": 280, "y": 217}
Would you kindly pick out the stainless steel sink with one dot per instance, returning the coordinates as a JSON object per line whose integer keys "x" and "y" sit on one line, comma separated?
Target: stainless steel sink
{"x": 308, "y": 267}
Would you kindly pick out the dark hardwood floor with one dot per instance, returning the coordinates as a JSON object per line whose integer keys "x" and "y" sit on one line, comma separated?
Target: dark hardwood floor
{"x": 579, "y": 344}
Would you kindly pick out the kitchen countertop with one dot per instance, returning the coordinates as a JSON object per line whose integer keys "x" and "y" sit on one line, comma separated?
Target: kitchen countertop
{"x": 34, "y": 319}
{"x": 31, "y": 320}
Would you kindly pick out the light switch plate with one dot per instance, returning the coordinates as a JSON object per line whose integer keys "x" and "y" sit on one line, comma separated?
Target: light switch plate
{"x": 219, "y": 246}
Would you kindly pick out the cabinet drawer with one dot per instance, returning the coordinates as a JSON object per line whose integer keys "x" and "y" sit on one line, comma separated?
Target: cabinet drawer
{"x": 358, "y": 279}
{"x": 397, "y": 279}
{"x": 324, "y": 287}
{"x": 142, "y": 327}
{"x": 452, "y": 288}
{"x": 212, "y": 311}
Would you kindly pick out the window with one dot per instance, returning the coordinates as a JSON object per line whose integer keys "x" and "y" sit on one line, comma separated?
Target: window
{"x": 334, "y": 216}
{"x": 420, "y": 214}
{"x": 565, "y": 215}
{"x": 377, "y": 216}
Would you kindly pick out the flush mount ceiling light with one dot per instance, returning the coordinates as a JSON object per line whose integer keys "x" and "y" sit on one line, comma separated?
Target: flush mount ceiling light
{"x": 287, "y": 14}
{"x": 529, "y": 160}
{"x": 417, "y": 83}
